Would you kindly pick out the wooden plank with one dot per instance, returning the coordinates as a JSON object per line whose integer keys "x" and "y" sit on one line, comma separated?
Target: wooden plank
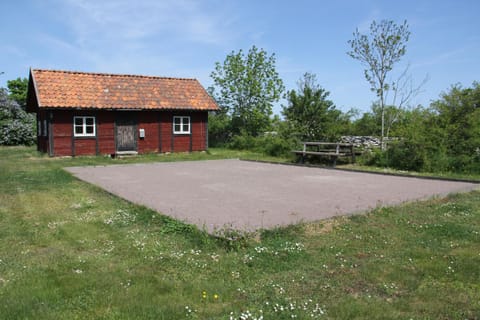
{"x": 313, "y": 143}
{"x": 315, "y": 153}
{"x": 126, "y": 131}
{"x": 330, "y": 149}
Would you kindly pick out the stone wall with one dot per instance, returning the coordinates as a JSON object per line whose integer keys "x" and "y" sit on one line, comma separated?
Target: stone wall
{"x": 367, "y": 142}
{"x": 362, "y": 142}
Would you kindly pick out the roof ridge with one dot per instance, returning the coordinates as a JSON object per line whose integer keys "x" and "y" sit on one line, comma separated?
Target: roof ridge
{"x": 113, "y": 74}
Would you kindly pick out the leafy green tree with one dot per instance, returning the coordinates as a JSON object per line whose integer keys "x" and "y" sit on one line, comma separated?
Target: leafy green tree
{"x": 370, "y": 122}
{"x": 219, "y": 131}
{"x": 379, "y": 52}
{"x": 311, "y": 115}
{"x": 443, "y": 137}
{"x": 366, "y": 125}
{"x": 219, "y": 122}
{"x": 458, "y": 117}
{"x": 18, "y": 90}
{"x": 418, "y": 147}
{"x": 245, "y": 87}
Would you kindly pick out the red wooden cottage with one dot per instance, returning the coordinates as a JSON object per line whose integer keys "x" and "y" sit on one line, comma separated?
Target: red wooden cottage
{"x": 82, "y": 113}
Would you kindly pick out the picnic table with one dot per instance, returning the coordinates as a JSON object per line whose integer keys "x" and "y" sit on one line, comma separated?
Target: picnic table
{"x": 333, "y": 150}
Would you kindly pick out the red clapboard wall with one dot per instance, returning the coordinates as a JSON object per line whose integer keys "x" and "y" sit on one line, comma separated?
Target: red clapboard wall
{"x": 157, "y": 126}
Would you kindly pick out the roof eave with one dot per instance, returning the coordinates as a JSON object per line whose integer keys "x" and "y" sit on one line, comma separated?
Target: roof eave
{"x": 125, "y": 109}
{"x": 32, "y": 90}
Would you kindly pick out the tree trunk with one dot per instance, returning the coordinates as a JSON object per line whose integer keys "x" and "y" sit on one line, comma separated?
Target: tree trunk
{"x": 382, "y": 144}
{"x": 382, "y": 108}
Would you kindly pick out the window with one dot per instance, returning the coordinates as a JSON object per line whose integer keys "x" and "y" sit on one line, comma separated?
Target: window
{"x": 181, "y": 125}
{"x": 84, "y": 126}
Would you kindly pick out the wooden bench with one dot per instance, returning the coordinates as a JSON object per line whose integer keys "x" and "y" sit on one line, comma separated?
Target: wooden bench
{"x": 334, "y": 150}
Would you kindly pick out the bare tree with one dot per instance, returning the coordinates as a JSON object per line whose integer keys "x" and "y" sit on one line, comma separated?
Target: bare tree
{"x": 404, "y": 91}
{"x": 378, "y": 52}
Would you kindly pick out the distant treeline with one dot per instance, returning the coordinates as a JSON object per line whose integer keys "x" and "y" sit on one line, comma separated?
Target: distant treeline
{"x": 443, "y": 137}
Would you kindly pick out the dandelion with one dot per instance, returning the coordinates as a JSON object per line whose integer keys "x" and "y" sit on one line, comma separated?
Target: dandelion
{"x": 204, "y": 294}
{"x": 215, "y": 296}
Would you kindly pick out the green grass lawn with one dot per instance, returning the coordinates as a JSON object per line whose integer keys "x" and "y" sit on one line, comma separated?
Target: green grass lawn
{"x": 69, "y": 250}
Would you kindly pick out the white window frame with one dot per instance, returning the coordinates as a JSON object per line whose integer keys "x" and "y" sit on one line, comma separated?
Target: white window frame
{"x": 83, "y": 126}
{"x": 182, "y": 124}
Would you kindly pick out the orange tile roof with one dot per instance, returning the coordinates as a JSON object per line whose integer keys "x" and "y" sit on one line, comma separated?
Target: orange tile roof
{"x": 67, "y": 89}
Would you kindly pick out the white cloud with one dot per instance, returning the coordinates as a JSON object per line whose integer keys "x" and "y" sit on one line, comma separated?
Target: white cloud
{"x": 163, "y": 37}
{"x": 164, "y": 20}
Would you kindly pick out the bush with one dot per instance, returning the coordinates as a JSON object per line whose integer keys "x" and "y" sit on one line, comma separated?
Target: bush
{"x": 405, "y": 155}
{"x": 276, "y": 146}
{"x": 18, "y": 132}
{"x": 372, "y": 157}
{"x": 270, "y": 144}
{"x": 465, "y": 163}
{"x": 219, "y": 130}
{"x": 412, "y": 156}
{"x": 17, "y": 127}
{"x": 243, "y": 141}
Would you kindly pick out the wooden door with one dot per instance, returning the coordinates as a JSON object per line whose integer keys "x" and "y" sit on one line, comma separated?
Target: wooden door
{"x": 126, "y": 131}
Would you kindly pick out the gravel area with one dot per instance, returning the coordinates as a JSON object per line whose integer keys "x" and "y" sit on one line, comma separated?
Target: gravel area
{"x": 249, "y": 195}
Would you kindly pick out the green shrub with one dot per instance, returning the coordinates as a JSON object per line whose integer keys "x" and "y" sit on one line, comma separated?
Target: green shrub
{"x": 412, "y": 156}
{"x": 372, "y": 157}
{"x": 17, "y": 127}
{"x": 465, "y": 163}
{"x": 275, "y": 146}
{"x": 405, "y": 155}
{"x": 243, "y": 141}
{"x": 270, "y": 144}
{"x": 219, "y": 130}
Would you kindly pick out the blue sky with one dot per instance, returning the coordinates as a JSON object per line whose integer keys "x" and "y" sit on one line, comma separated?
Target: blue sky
{"x": 184, "y": 38}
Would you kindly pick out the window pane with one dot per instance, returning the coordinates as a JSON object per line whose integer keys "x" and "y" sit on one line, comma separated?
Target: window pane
{"x": 177, "y": 120}
{"x": 177, "y": 127}
{"x": 78, "y": 130}
{"x": 186, "y": 127}
{"x": 78, "y": 121}
{"x": 89, "y": 121}
{"x": 89, "y": 129}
